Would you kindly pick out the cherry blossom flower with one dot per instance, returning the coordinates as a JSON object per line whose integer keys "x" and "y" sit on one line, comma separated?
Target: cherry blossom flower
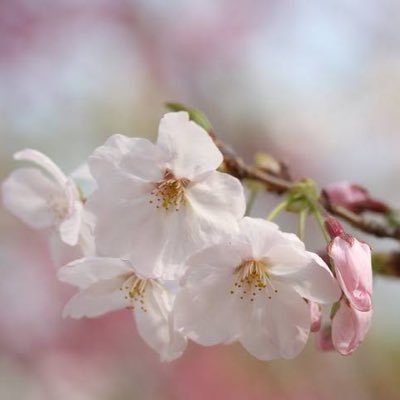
{"x": 108, "y": 284}
{"x": 251, "y": 289}
{"x": 352, "y": 261}
{"x": 349, "y": 327}
{"x": 44, "y": 198}
{"x": 162, "y": 202}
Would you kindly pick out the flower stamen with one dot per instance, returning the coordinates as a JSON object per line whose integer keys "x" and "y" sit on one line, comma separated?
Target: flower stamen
{"x": 170, "y": 192}
{"x": 58, "y": 207}
{"x": 135, "y": 288}
{"x": 252, "y": 278}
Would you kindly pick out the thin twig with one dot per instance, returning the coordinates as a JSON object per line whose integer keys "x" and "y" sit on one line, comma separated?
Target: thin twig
{"x": 238, "y": 168}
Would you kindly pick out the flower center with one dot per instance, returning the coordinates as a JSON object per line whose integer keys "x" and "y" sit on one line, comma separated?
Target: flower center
{"x": 135, "y": 289}
{"x": 252, "y": 279}
{"x": 59, "y": 208}
{"x": 170, "y": 192}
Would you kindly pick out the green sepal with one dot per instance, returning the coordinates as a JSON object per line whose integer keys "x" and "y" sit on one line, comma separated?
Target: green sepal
{"x": 302, "y": 196}
{"x": 335, "y": 309}
{"x": 195, "y": 115}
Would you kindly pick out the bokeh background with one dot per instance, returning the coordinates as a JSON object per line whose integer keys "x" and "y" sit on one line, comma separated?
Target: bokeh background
{"x": 316, "y": 83}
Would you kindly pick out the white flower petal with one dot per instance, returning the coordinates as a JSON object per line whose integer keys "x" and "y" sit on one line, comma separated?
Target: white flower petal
{"x": 191, "y": 149}
{"x": 108, "y": 156}
{"x": 84, "y": 179}
{"x": 155, "y": 324}
{"x": 205, "y": 309}
{"x": 87, "y": 271}
{"x": 260, "y": 234}
{"x": 145, "y": 160}
{"x": 206, "y": 317}
{"x": 26, "y": 193}
{"x": 277, "y": 327}
{"x": 217, "y": 202}
{"x": 306, "y": 272}
{"x": 139, "y": 157}
{"x": 43, "y": 161}
{"x": 98, "y": 299}
{"x": 130, "y": 230}
{"x": 133, "y": 227}
{"x": 221, "y": 258}
{"x": 211, "y": 214}
{"x": 70, "y": 228}
{"x": 86, "y": 234}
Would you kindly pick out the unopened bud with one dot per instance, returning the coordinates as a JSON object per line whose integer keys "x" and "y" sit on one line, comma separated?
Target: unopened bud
{"x": 352, "y": 197}
{"x": 353, "y": 267}
{"x": 334, "y": 227}
{"x": 349, "y": 328}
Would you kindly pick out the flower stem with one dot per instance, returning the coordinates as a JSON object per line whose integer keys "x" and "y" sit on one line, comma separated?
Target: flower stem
{"x": 321, "y": 222}
{"x": 277, "y": 210}
{"x": 302, "y": 224}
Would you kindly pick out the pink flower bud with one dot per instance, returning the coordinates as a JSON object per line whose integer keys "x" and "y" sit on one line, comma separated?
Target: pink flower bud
{"x": 352, "y": 262}
{"x": 353, "y": 197}
{"x": 349, "y": 328}
{"x": 316, "y": 316}
{"x": 325, "y": 339}
{"x": 334, "y": 227}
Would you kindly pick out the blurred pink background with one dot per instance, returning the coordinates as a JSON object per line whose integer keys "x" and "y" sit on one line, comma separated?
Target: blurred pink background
{"x": 315, "y": 83}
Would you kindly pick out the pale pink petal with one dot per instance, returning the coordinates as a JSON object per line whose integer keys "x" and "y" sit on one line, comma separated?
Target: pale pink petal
{"x": 136, "y": 156}
{"x": 130, "y": 228}
{"x": 145, "y": 160}
{"x": 349, "y": 328}
{"x": 264, "y": 235}
{"x": 306, "y": 272}
{"x": 86, "y": 234}
{"x": 205, "y": 309}
{"x": 133, "y": 224}
{"x": 121, "y": 221}
{"x": 42, "y": 161}
{"x": 191, "y": 149}
{"x": 155, "y": 324}
{"x": 85, "y": 272}
{"x": 109, "y": 155}
{"x": 211, "y": 213}
{"x": 98, "y": 299}
{"x": 224, "y": 257}
{"x": 278, "y": 327}
{"x": 26, "y": 193}
{"x": 219, "y": 197}
{"x": 353, "y": 268}
{"x": 70, "y": 227}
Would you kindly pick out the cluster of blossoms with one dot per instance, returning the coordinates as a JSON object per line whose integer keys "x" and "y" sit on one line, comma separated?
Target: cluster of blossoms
{"x": 164, "y": 234}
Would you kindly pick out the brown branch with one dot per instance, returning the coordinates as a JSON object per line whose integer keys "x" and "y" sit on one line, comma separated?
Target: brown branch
{"x": 387, "y": 264}
{"x": 238, "y": 168}
{"x": 375, "y": 228}
{"x": 235, "y": 166}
